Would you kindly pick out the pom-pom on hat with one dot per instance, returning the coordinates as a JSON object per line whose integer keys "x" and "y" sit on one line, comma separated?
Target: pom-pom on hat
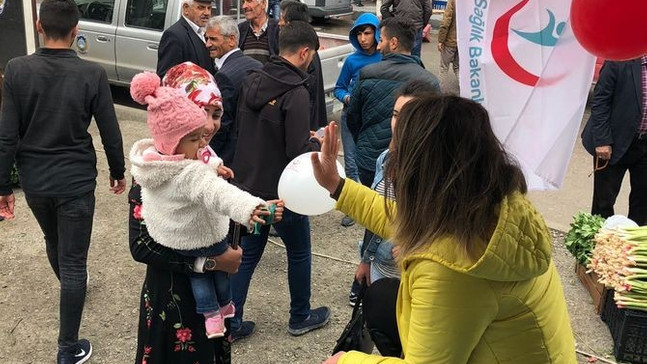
{"x": 195, "y": 82}
{"x": 171, "y": 115}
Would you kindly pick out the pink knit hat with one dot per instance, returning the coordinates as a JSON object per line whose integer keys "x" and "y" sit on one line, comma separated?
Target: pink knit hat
{"x": 196, "y": 82}
{"x": 171, "y": 115}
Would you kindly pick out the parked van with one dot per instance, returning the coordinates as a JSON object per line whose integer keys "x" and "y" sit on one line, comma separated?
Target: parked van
{"x": 123, "y": 36}
{"x": 325, "y": 9}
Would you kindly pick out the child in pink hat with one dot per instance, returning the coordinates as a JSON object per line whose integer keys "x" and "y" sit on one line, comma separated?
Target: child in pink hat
{"x": 200, "y": 87}
{"x": 185, "y": 203}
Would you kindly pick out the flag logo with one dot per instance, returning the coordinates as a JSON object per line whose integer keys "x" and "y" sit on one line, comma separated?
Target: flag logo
{"x": 547, "y": 37}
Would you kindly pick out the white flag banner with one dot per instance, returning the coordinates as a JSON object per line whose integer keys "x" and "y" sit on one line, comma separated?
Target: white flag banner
{"x": 521, "y": 61}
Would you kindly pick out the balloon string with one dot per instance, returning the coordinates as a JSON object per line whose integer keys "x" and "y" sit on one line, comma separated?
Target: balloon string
{"x": 318, "y": 254}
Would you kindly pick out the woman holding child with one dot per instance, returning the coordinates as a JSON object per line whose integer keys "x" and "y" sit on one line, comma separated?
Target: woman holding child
{"x": 181, "y": 231}
{"x": 478, "y": 284}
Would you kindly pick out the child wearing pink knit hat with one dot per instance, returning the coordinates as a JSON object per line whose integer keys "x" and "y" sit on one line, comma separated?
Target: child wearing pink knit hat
{"x": 185, "y": 203}
{"x": 200, "y": 87}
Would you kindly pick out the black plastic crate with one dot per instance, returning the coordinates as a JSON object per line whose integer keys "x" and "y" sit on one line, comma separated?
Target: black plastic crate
{"x": 628, "y": 329}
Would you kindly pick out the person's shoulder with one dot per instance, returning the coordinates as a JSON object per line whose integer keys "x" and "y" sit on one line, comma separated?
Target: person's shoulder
{"x": 372, "y": 69}
{"x": 248, "y": 61}
{"x": 23, "y": 61}
{"x": 297, "y": 95}
{"x": 175, "y": 28}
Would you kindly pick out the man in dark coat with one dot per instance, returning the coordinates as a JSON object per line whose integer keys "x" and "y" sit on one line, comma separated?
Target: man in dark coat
{"x": 273, "y": 129}
{"x": 292, "y": 10}
{"x": 232, "y": 66}
{"x": 371, "y": 103}
{"x": 184, "y": 40}
{"x": 417, "y": 11}
{"x": 259, "y": 35}
{"x": 616, "y": 136}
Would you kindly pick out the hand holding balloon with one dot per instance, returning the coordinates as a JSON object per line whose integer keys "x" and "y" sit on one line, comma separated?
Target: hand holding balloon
{"x": 300, "y": 185}
{"x": 325, "y": 165}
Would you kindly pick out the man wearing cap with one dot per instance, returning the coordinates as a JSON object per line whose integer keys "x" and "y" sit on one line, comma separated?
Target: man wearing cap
{"x": 616, "y": 136}
{"x": 184, "y": 40}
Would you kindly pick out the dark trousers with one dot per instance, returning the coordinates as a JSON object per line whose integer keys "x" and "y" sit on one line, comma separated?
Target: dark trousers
{"x": 379, "y": 315}
{"x": 67, "y": 225}
{"x": 365, "y": 176}
{"x": 294, "y": 230}
{"x": 417, "y": 43}
{"x": 607, "y": 183}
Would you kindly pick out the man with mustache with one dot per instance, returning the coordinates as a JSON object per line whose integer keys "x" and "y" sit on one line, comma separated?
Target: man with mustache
{"x": 232, "y": 67}
{"x": 259, "y": 35}
{"x": 184, "y": 40}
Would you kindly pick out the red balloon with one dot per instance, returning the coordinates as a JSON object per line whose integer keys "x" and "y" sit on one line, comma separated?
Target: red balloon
{"x": 615, "y": 30}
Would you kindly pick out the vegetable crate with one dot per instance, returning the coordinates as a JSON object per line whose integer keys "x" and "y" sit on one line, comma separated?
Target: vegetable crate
{"x": 439, "y": 4}
{"x": 628, "y": 329}
{"x": 595, "y": 288}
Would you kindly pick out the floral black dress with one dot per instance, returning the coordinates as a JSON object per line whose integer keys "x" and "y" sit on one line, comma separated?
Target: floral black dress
{"x": 170, "y": 331}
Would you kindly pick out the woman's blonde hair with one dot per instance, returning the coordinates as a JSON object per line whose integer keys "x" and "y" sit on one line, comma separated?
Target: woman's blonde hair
{"x": 449, "y": 173}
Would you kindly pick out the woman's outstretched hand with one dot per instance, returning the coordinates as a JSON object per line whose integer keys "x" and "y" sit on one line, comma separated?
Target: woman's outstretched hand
{"x": 324, "y": 163}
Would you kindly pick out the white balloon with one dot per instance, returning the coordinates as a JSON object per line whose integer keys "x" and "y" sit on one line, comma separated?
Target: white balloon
{"x": 300, "y": 191}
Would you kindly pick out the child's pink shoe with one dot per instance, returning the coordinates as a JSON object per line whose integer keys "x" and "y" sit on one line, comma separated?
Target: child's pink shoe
{"x": 228, "y": 311}
{"x": 215, "y": 327}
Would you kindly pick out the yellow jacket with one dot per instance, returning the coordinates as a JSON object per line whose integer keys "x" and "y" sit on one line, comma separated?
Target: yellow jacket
{"x": 506, "y": 307}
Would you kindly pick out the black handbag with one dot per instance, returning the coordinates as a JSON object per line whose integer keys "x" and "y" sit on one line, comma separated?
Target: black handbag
{"x": 355, "y": 335}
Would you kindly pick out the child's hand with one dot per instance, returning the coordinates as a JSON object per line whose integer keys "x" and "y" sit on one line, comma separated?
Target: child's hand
{"x": 225, "y": 172}
{"x": 262, "y": 211}
{"x": 257, "y": 216}
{"x": 278, "y": 212}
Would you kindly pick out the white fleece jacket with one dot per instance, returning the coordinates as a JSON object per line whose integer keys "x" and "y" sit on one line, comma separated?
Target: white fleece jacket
{"x": 185, "y": 204}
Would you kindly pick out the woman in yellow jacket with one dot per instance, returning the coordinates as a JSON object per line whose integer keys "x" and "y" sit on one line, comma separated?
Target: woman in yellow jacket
{"x": 478, "y": 282}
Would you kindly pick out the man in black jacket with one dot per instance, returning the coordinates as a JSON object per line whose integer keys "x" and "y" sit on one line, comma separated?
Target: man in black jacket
{"x": 184, "y": 41}
{"x": 273, "y": 129}
{"x": 616, "y": 136}
{"x": 292, "y": 10}
{"x": 232, "y": 67}
{"x": 48, "y": 101}
{"x": 416, "y": 11}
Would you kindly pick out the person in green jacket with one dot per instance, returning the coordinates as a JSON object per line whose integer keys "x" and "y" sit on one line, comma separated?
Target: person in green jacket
{"x": 478, "y": 282}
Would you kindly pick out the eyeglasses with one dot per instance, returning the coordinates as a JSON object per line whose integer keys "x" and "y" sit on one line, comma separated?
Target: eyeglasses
{"x": 599, "y": 167}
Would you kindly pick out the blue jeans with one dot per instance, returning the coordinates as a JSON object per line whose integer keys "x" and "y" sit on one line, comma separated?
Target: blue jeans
{"x": 350, "y": 167}
{"x": 294, "y": 230}
{"x": 417, "y": 44}
{"x": 211, "y": 290}
{"x": 67, "y": 225}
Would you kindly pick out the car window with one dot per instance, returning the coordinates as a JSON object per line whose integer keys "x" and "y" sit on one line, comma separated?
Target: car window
{"x": 93, "y": 10}
{"x": 229, "y": 7}
{"x": 148, "y": 14}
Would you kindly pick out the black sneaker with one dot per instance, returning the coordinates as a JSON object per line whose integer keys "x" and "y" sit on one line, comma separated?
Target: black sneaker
{"x": 347, "y": 221}
{"x": 246, "y": 329}
{"x": 79, "y": 353}
{"x": 318, "y": 318}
